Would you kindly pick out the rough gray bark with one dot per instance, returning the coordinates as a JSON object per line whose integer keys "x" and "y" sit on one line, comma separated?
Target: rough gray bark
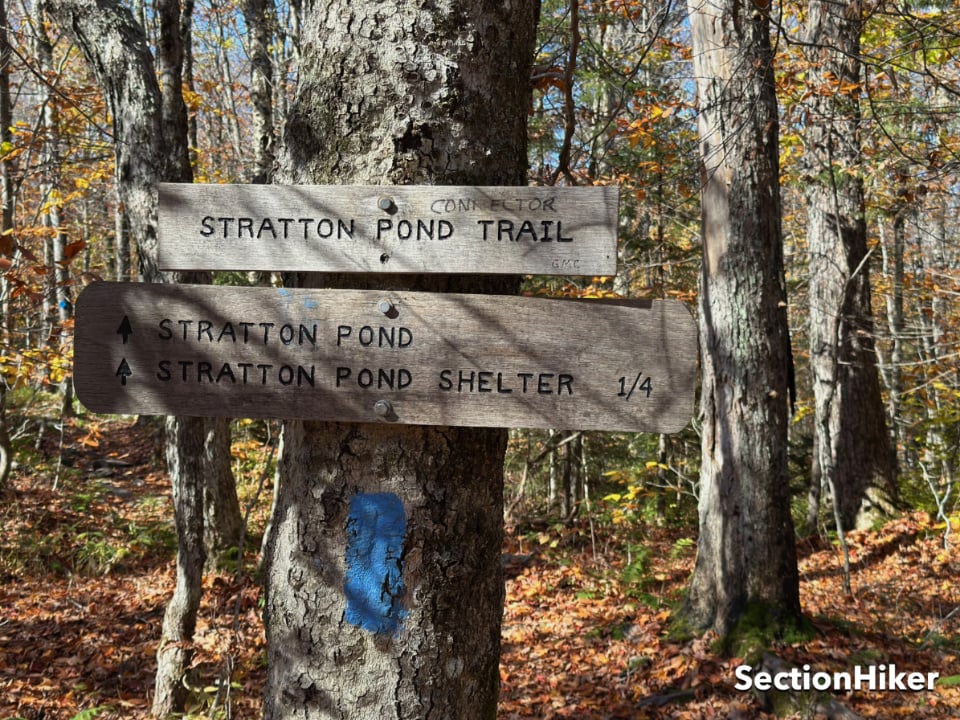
{"x": 746, "y": 554}
{"x": 114, "y": 45}
{"x": 259, "y": 16}
{"x": 6, "y": 225}
{"x": 150, "y": 144}
{"x": 397, "y": 93}
{"x": 854, "y": 456}
{"x": 223, "y": 518}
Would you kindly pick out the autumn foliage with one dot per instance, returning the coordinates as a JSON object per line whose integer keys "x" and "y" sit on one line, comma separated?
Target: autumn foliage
{"x": 587, "y": 629}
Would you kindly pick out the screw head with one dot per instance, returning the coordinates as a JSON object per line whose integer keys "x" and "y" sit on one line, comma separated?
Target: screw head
{"x": 385, "y": 306}
{"x": 382, "y": 408}
{"x": 385, "y": 203}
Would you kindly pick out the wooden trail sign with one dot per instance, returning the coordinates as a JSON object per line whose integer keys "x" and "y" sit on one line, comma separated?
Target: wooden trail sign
{"x": 382, "y": 356}
{"x": 389, "y": 229}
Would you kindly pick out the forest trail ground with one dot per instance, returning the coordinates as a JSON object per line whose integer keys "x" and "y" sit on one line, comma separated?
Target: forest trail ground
{"x": 87, "y": 568}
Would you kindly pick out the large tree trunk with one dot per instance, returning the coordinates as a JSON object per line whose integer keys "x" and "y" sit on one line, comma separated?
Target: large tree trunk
{"x": 396, "y": 93}
{"x": 746, "y": 554}
{"x": 854, "y": 456}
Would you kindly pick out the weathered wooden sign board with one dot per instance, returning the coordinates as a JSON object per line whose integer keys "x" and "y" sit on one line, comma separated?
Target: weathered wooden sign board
{"x": 393, "y": 229}
{"x": 380, "y": 356}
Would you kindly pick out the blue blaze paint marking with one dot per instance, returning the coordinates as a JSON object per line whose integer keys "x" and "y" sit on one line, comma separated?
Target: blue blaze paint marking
{"x": 376, "y": 526}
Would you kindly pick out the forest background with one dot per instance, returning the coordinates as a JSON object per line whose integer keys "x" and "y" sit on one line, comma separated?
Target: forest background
{"x": 613, "y": 103}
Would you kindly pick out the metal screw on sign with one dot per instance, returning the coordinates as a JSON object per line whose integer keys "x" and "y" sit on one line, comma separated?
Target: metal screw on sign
{"x": 382, "y": 408}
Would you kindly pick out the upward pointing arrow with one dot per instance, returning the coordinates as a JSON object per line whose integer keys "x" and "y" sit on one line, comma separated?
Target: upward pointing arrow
{"x": 125, "y": 329}
{"x": 124, "y": 371}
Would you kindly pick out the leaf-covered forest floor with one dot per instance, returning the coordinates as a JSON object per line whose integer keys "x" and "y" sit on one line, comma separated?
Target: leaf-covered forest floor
{"x": 87, "y": 567}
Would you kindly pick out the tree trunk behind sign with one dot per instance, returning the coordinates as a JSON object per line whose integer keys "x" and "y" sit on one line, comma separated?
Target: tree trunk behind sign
{"x": 855, "y": 458}
{"x": 746, "y": 552}
{"x": 151, "y": 146}
{"x": 396, "y": 93}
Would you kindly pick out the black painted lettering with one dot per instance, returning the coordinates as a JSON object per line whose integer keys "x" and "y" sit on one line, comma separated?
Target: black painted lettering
{"x": 548, "y": 204}
{"x": 404, "y": 230}
{"x": 406, "y": 337}
{"x": 306, "y": 222}
{"x": 500, "y": 388}
{"x": 344, "y": 229}
{"x": 285, "y": 375}
{"x": 324, "y": 228}
{"x": 309, "y": 334}
{"x": 204, "y": 369}
{"x": 246, "y": 367}
{"x": 526, "y": 229}
{"x": 228, "y": 332}
{"x": 485, "y": 223}
{"x": 266, "y": 331}
{"x": 204, "y": 327}
{"x": 465, "y": 380}
{"x": 266, "y": 226}
{"x": 404, "y": 378}
{"x": 246, "y": 331}
{"x": 504, "y": 227}
{"x": 564, "y": 382}
{"x": 525, "y": 377}
{"x": 163, "y": 373}
{"x": 365, "y": 378}
{"x": 227, "y": 221}
{"x": 226, "y": 372}
{"x": 184, "y": 324}
{"x": 383, "y": 224}
{"x": 343, "y": 374}
{"x": 166, "y": 332}
{"x": 485, "y": 381}
{"x": 245, "y": 224}
{"x": 545, "y": 224}
{"x": 386, "y": 378}
{"x": 444, "y": 229}
{"x": 304, "y": 376}
{"x": 560, "y": 237}
{"x": 263, "y": 372}
{"x": 207, "y": 227}
{"x": 343, "y": 332}
{"x": 287, "y": 334}
{"x": 445, "y": 382}
{"x": 286, "y": 226}
{"x": 365, "y": 336}
{"x": 543, "y": 384}
{"x": 184, "y": 364}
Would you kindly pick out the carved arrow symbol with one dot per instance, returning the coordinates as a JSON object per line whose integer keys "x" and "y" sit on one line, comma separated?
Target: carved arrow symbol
{"x": 124, "y": 371}
{"x": 125, "y": 329}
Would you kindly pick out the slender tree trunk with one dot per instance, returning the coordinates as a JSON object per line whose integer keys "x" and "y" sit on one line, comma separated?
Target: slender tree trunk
{"x": 6, "y": 227}
{"x": 854, "y": 456}
{"x": 259, "y": 16}
{"x": 396, "y": 93}
{"x": 746, "y": 554}
{"x": 59, "y": 305}
{"x": 150, "y": 145}
{"x": 893, "y": 270}
{"x": 185, "y": 463}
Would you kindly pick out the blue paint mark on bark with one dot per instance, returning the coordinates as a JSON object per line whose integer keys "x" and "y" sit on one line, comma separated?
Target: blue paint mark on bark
{"x": 374, "y": 588}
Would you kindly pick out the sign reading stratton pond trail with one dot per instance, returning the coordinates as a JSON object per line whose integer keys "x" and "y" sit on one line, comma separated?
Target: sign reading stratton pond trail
{"x": 382, "y": 356}
{"x": 392, "y": 229}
